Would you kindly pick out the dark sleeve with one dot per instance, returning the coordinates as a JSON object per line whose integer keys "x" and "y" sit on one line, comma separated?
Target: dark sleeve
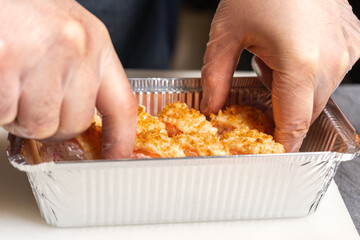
{"x": 142, "y": 31}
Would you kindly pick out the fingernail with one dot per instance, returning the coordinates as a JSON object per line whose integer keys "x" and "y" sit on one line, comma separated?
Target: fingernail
{"x": 204, "y": 107}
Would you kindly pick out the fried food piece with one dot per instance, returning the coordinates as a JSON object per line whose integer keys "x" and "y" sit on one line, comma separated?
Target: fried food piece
{"x": 146, "y": 122}
{"x": 202, "y": 144}
{"x": 84, "y": 146}
{"x": 250, "y": 141}
{"x": 236, "y": 116}
{"x": 154, "y": 144}
{"x": 192, "y": 135}
{"x": 90, "y": 140}
{"x": 178, "y": 118}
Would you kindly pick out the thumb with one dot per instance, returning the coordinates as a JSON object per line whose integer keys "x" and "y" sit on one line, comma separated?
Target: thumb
{"x": 221, "y": 57}
{"x": 292, "y": 99}
{"x": 118, "y": 107}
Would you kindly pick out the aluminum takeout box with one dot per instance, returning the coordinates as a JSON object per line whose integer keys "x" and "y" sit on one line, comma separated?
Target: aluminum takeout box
{"x": 96, "y": 193}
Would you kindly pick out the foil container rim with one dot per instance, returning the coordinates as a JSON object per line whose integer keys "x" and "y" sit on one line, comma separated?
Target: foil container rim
{"x": 184, "y": 84}
{"x": 21, "y": 164}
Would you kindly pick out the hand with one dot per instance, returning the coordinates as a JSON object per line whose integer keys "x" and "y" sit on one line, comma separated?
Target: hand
{"x": 56, "y": 63}
{"x": 304, "y": 48}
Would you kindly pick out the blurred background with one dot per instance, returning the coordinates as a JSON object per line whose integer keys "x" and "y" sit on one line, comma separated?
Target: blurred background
{"x": 168, "y": 34}
{"x": 192, "y": 36}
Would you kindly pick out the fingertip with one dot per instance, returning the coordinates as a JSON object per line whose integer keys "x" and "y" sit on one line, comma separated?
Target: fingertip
{"x": 291, "y": 139}
{"x": 119, "y": 131}
{"x": 220, "y": 60}
{"x": 204, "y": 107}
{"x": 216, "y": 84}
{"x": 118, "y": 107}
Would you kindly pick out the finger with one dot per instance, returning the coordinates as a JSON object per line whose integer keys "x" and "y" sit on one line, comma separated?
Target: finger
{"x": 118, "y": 107}
{"x": 263, "y": 72}
{"x": 333, "y": 72}
{"x": 292, "y": 99}
{"x": 40, "y": 101}
{"x": 78, "y": 105}
{"x": 9, "y": 95}
{"x": 45, "y": 84}
{"x": 221, "y": 57}
{"x": 80, "y": 81}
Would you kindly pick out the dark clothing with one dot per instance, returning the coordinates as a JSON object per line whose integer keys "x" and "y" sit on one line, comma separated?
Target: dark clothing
{"x": 143, "y": 31}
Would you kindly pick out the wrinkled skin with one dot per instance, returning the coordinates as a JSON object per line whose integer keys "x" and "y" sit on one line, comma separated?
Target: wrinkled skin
{"x": 57, "y": 63}
{"x": 303, "y": 50}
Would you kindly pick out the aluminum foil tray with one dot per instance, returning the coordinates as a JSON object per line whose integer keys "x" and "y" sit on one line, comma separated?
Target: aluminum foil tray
{"x": 124, "y": 191}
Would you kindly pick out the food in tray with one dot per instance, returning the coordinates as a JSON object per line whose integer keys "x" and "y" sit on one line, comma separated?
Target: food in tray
{"x": 250, "y": 141}
{"x": 179, "y": 132}
{"x": 146, "y": 122}
{"x": 178, "y": 118}
{"x": 84, "y": 146}
{"x": 155, "y": 144}
{"x": 241, "y": 116}
{"x": 201, "y": 144}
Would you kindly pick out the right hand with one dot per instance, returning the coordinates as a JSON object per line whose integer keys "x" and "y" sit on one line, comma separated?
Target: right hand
{"x": 303, "y": 50}
{"x": 57, "y": 63}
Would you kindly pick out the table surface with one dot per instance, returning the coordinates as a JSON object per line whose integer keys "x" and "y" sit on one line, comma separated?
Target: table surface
{"x": 20, "y": 219}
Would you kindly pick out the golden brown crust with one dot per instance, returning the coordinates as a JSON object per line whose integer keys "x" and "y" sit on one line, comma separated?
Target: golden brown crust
{"x": 146, "y": 122}
{"x": 250, "y": 141}
{"x": 202, "y": 144}
{"x": 157, "y": 144}
{"x": 241, "y": 116}
{"x": 178, "y": 132}
{"x": 180, "y": 119}
{"x": 90, "y": 140}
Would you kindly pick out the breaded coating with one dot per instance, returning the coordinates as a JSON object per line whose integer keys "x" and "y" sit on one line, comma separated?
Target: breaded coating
{"x": 177, "y": 132}
{"x": 154, "y": 144}
{"x": 90, "y": 140}
{"x": 146, "y": 122}
{"x": 250, "y": 141}
{"x": 202, "y": 144}
{"x": 178, "y": 118}
{"x": 236, "y": 116}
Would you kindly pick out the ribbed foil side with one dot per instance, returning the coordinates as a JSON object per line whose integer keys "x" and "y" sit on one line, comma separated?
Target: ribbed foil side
{"x": 208, "y": 189}
{"x": 96, "y": 193}
{"x": 321, "y": 137}
{"x": 155, "y": 93}
{"x": 332, "y": 132}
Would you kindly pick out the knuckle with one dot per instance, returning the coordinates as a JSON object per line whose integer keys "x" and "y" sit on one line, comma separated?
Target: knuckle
{"x": 217, "y": 29}
{"x": 97, "y": 30}
{"x": 101, "y": 28}
{"x": 344, "y": 62}
{"x": 353, "y": 54}
{"x": 76, "y": 125}
{"x": 8, "y": 106}
{"x": 41, "y": 126}
{"x": 75, "y": 33}
{"x": 7, "y": 113}
{"x": 307, "y": 60}
{"x": 207, "y": 75}
{"x": 83, "y": 124}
